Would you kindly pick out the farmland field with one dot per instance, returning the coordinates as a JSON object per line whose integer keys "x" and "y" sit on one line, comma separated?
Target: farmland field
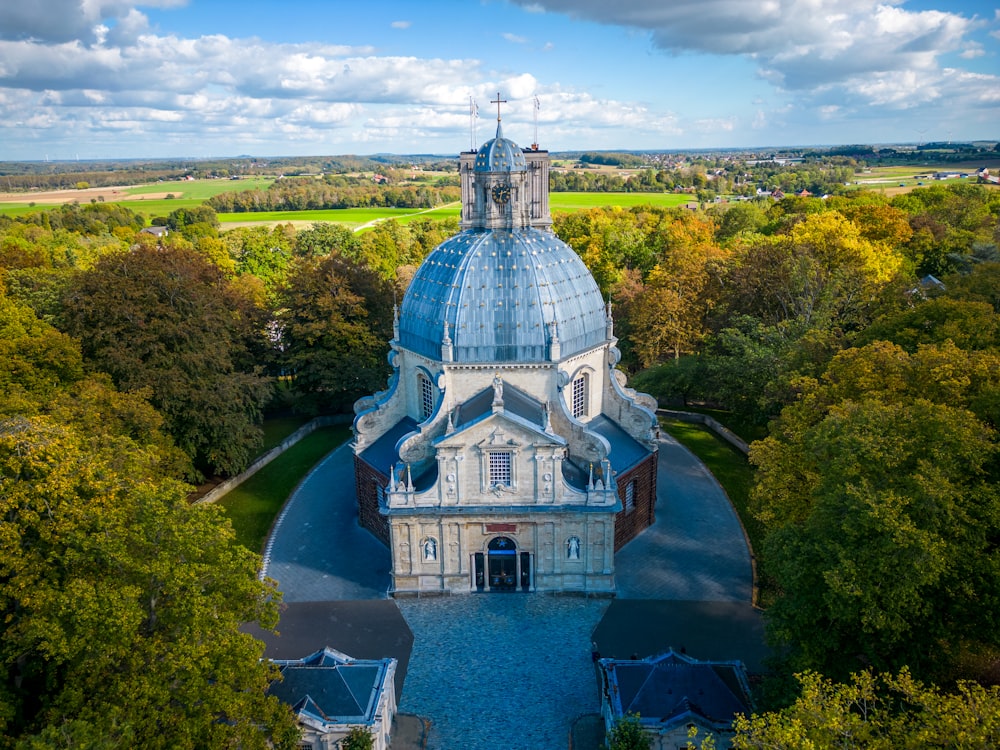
{"x": 148, "y": 200}
{"x": 363, "y": 217}
{"x": 578, "y": 201}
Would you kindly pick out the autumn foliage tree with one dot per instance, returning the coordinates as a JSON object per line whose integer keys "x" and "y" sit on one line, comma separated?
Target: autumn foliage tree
{"x": 120, "y": 602}
{"x": 167, "y": 320}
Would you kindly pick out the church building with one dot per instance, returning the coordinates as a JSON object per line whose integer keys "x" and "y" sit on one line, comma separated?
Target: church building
{"x": 507, "y": 453}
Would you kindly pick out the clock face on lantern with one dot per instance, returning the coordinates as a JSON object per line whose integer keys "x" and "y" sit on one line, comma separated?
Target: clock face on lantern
{"x": 501, "y": 193}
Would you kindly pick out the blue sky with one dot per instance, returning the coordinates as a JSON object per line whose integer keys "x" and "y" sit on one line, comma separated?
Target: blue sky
{"x": 94, "y": 79}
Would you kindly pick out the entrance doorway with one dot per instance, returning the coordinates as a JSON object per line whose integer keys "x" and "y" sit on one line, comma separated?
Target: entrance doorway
{"x": 502, "y": 564}
{"x": 501, "y": 568}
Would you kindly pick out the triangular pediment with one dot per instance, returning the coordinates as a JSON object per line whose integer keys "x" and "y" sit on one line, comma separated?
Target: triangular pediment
{"x": 498, "y": 428}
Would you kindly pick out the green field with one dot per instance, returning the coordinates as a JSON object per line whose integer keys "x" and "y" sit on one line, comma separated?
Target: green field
{"x": 357, "y": 217}
{"x": 580, "y": 201}
{"x": 189, "y": 194}
{"x": 352, "y": 217}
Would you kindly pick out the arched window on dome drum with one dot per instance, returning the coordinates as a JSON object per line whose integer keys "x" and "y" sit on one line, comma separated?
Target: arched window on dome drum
{"x": 426, "y": 396}
{"x": 580, "y": 395}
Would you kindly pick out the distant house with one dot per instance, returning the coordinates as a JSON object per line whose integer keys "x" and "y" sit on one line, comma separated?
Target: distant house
{"x": 777, "y": 194}
{"x": 672, "y": 692}
{"x": 803, "y": 194}
{"x": 331, "y": 693}
{"x": 158, "y": 232}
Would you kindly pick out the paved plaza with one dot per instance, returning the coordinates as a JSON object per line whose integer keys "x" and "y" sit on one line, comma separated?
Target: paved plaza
{"x": 515, "y": 670}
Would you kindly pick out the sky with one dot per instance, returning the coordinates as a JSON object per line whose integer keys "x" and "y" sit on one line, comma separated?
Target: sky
{"x": 112, "y": 79}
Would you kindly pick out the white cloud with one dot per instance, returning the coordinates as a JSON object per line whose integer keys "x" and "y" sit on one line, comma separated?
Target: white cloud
{"x": 401, "y": 24}
{"x": 804, "y": 46}
{"x": 54, "y": 21}
{"x": 514, "y": 38}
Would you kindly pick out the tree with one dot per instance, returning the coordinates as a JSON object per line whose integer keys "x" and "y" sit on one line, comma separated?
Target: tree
{"x": 820, "y": 271}
{"x": 969, "y": 325}
{"x": 335, "y": 326}
{"x": 166, "y": 319}
{"x": 878, "y": 488}
{"x": 122, "y": 604}
{"x": 357, "y": 739}
{"x": 628, "y": 734}
{"x": 878, "y": 712}
{"x": 321, "y": 239}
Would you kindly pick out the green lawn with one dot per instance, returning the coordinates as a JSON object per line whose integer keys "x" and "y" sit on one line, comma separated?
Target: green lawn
{"x": 254, "y": 505}
{"x": 748, "y": 431}
{"x": 276, "y": 430}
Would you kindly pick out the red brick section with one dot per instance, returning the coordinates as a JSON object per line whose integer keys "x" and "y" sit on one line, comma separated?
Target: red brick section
{"x": 365, "y": 481}
{"x": 628, "y": 523}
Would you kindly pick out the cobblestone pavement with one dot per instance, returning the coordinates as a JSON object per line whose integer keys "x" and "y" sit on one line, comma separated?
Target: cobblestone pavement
{"x": 696, "y": 550}
{"x": 317, "y": 551}
{"x": 506, "y": 671}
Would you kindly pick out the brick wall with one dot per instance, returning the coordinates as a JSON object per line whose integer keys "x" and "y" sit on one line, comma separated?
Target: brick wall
{"x": 628, "y": 523}
{"x": 366, "y": 479}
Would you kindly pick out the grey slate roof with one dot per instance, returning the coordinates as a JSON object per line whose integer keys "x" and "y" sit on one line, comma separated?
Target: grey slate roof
{"x": 331, "y": 687}
{"x": 626, "y": 451}
{"x": 515, "y": 401}
{"x": 498, "y": 290}
{"x": 382, "y": 453}
{"x": 669, "y": 687}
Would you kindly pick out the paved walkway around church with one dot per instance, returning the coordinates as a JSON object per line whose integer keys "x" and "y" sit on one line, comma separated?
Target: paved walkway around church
{"x": 515, "y": 670}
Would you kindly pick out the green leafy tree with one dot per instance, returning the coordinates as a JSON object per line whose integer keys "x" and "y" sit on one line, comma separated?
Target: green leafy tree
{"x": 969, "y": 325}
{"x": 980, "y": 284}
{"x": 879, "y": 491}
{"x": 323, "y": 238}
{"x": 628, "y": 734}
{"x": 876, "y": 712}
{"x": 166, "y": 319}
{"x": 335, "y": 328}
{"x": 357, "y": 739}
{"x": 122, "y": 604}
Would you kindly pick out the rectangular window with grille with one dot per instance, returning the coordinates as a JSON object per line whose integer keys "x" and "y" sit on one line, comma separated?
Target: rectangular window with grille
{"x": 500, "y": 469}
{"x": 426, "y": 397}
{"x": 580, "y": 397}
{"x": 630, "y": 495}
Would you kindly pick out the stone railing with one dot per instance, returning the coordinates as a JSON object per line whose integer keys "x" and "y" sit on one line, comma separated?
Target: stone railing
{"x": 220, "y": 490}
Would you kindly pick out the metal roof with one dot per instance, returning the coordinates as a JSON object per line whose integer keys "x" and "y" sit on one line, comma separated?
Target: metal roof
{"x": 498, "y": 291}
{"x": 500, "y": 155}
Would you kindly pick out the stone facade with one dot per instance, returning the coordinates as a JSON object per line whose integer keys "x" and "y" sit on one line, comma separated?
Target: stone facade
{"x": 507, "y": 454}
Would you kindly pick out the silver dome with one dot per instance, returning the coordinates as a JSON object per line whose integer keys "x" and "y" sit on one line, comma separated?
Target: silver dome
{"x": 499, "y": 291}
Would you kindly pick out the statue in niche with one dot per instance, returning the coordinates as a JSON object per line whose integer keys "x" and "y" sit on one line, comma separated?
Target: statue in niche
{"x": 573, "y": 548}
{"x": 430, "y": 550}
